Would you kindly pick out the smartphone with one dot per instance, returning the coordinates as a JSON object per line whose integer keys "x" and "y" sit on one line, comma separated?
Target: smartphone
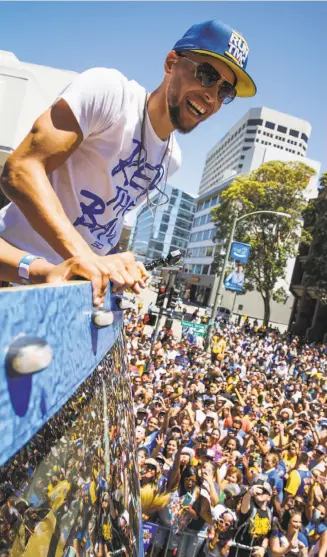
{"x": 187, "y": 499}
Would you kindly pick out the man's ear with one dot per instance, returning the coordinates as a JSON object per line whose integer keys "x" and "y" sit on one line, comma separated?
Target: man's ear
{"x": 171, "y": 59}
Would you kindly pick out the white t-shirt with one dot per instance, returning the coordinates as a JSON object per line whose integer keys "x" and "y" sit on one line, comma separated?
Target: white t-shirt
{"x": 102, "y": 180}
{"x": 200, "y": 416}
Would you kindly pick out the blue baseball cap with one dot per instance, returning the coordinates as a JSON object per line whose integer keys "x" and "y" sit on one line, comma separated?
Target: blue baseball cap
{"x": 216, "y": 39}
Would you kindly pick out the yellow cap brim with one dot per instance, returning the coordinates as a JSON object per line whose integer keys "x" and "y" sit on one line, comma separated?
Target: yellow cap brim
{"x": 245, "y": 85}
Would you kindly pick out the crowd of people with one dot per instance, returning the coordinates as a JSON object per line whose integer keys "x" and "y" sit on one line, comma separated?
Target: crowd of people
{"x": 231, "y": 452}
{"x": 231, "y": 444}
{"x": 72, "y": 490}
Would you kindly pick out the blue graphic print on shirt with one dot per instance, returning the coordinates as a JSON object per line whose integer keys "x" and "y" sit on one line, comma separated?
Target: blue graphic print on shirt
{"x": 139, "y": 176}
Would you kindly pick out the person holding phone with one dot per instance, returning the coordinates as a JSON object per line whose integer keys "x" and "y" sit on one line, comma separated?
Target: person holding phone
{"x": 251, "y": 538}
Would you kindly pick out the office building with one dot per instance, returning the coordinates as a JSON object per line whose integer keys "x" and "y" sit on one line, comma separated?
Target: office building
{"x": 159, "y": 230}
{"x": 262, "y": 135}
{"x": 259, "y": 126}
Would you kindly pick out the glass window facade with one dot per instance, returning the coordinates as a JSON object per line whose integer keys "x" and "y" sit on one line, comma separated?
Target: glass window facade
{"x": 167, "y": 228}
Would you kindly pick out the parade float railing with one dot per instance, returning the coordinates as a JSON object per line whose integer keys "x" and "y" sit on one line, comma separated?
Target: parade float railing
{"x": 68, "y": 477}
{"x": 161, "y": 539}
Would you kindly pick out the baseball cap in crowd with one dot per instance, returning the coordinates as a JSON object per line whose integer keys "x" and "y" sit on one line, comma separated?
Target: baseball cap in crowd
{"x": 152, "y": 462}
{"x": 189, "y": 452}
{"x": 216, "y": 39}
{"x": 287, "y": 411}
{"x": 321, "y": 449}
{"x": 160, "y": 458}
{"x": 141, "y": 411}
{"x": 323, "y": 423}
{"x": 263, "y": 429}
{"x": 176, "y": 428}
{"x": 212, "y": 415}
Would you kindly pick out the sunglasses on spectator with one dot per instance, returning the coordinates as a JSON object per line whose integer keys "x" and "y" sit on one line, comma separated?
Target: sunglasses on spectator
{"x": 208, "y": 76}
{"x": 224, "y": 523}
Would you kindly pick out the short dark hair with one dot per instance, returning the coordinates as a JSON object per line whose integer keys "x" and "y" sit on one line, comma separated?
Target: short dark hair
{"x": 303, "y": 458}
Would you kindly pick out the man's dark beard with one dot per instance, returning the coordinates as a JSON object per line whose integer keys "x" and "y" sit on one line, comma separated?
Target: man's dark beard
{"x": 174, "y": 114}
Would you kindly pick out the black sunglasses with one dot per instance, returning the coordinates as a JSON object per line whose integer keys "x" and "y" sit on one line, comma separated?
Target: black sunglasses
{"x": 208, "y": 76}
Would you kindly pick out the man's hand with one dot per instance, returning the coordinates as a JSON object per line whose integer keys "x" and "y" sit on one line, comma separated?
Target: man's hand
{"x": 255, "y": 490}
{"x": 207, "y": 475}
{"x": 274, "y": 493}
{"x": 294, "y": 543}
{"x": 120, "y": 269}
{"x": 258, "y": 551}
{"x": 161, "y": 438}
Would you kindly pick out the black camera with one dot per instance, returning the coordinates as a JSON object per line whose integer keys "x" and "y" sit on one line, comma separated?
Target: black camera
{"x": 202, "y": 439}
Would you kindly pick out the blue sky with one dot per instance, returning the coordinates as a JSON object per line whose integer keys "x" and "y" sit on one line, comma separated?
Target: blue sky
{"x": 287, "y": 40}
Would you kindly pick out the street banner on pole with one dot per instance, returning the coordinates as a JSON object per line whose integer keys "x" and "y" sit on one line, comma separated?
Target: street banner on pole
{"x": 240, "y": 252}
{"x": 197, "y": 328}
{"x": 235, "y": 279}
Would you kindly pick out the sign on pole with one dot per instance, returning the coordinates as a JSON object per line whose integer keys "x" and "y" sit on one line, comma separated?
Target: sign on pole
{"x": 196, "y": 328}
{"x": 240, "y": 254}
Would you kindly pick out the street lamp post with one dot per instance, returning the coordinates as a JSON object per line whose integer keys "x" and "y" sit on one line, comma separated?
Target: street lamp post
{"x": 218, "y": 295}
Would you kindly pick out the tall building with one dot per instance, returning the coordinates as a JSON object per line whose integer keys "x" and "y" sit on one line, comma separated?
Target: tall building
{"x": 259, "y": 126}
{"x": 262, "y": 135}
{"x": 159, "y": 230}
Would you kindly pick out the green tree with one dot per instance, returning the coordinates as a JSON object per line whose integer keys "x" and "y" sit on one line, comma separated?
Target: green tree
{"x": 315, "y": 217}
{"x": 275, "y": 186}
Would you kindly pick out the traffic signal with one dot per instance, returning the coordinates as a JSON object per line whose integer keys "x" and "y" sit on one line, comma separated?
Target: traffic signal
{"x": 161, "y": 296}
{"x": 173, "y": 297}
{"x": 169, "y": 324}
{"x": 150, "y": 319}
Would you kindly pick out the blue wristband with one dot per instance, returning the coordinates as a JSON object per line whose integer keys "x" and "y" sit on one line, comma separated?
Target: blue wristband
{"x": 24, "y": 267}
